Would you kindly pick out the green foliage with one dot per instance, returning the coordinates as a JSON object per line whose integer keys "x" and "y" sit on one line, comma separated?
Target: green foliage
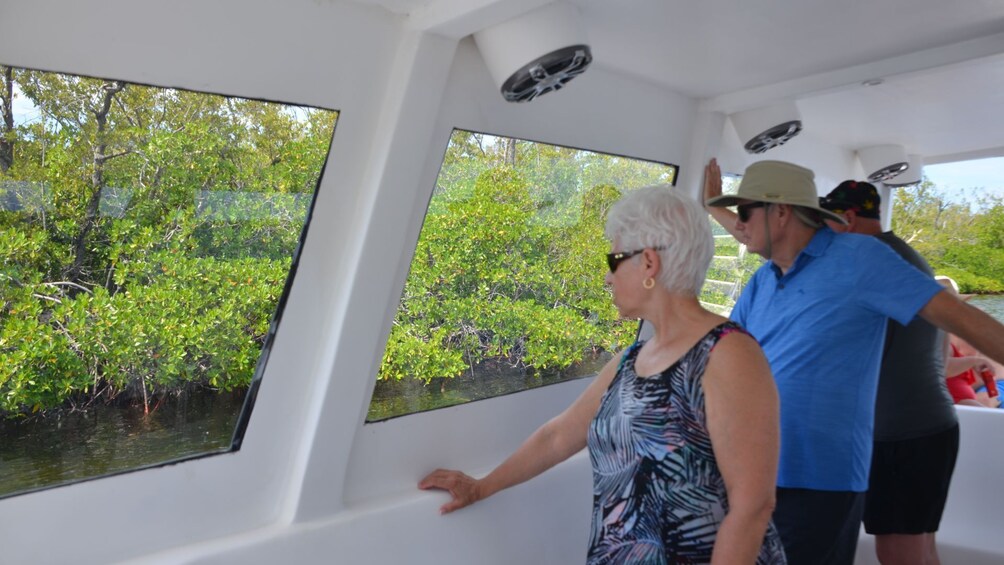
{"x": 726, "y": 246}
{"x": 729, "y": 272}
{"x": 970, "y": 283}
{"x": 989, "y": 226}
{"x": 175, "y": 324}
{"x": 153, "y": 234}
{"x": 156, "y": 228}
{"x": 957, "y": 241}
{"x": 509, "y": 267}
{"x": 489, "y": 281}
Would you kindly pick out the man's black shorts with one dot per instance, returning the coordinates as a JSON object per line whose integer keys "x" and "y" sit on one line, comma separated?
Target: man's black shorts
{"x": 819, "y": 527}
{"x": 908, "y": 483}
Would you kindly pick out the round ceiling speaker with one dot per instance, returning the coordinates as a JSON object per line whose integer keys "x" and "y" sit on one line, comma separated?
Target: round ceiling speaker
{"x": 535, "y": 53}
{"x": 911, "y": 176}
{"x": 765, "y": 128}
{"x": 883, "y": 162}
{"x": 547, "y": 73}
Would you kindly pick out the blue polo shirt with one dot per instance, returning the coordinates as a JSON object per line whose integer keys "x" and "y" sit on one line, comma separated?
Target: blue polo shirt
{"x": 822, "y": 327}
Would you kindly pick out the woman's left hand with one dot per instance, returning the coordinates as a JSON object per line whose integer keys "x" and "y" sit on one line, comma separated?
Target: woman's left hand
{"x": 464, "y": 490}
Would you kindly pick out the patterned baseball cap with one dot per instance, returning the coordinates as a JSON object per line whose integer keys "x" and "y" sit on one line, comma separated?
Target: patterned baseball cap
{"x": 862, "y": 197}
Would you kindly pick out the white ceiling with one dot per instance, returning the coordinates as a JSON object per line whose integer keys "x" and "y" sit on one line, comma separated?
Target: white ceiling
{"x": 941, "y": 63}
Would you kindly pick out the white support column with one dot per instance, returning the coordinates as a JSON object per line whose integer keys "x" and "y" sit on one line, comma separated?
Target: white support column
{"x": 705, "y": 144}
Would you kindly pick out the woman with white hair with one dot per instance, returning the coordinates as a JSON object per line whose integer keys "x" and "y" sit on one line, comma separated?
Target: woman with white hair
{"x": 682, "y": 428}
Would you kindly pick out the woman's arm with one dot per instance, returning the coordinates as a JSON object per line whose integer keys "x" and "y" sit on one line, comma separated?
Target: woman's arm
{"x": 957, "y": 365}
{"x": 986, "y": 400}
{"x": 971, "y": 402}
{"x": 744, "y": 423}
{"x": 557, "y": 440}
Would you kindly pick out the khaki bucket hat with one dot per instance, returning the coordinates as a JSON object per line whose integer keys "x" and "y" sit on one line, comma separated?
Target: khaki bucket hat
{"x": 777, "y": 182}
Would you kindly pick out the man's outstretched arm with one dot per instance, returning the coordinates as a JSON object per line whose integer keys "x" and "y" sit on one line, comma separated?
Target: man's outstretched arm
{"x": 977, "y": 327}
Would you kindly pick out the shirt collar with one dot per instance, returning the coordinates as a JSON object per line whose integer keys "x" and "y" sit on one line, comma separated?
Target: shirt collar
{"x": 819, "y": 242}
{"x": 816, "y": 247}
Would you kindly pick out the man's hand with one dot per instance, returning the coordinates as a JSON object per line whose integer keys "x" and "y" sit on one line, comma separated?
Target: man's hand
{"x": 712, "y": 180}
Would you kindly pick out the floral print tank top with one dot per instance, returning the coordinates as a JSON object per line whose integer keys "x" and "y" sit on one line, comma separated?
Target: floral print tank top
{"x": 658, "y": 496}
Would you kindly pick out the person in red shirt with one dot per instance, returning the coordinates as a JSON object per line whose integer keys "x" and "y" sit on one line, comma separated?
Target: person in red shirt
{"x": 965, "y": 368}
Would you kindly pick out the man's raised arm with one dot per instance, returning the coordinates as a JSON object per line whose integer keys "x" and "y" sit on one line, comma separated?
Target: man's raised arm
{"x": 713, "y": 188}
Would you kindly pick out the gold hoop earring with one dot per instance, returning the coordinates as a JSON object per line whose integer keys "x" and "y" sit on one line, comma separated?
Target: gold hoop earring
{"x": 648, "y": 283}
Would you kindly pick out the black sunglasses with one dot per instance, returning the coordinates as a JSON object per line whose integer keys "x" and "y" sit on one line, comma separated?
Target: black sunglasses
{"x": 615, "y": 259}
{"x": 743, "y": 210}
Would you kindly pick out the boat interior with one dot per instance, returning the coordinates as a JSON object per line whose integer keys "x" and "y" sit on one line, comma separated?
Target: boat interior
{"x": 850, "y": 90}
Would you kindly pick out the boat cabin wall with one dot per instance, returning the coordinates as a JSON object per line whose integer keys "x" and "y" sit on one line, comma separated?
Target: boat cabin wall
{"x": 602, "y": 112}
{"x": 334, "y": 55}
{"x": 312, "y": 482}
{"x": 308, "y": 465}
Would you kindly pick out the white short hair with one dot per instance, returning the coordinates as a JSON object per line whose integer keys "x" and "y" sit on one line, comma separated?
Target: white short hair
{"x": 660, "y": 216}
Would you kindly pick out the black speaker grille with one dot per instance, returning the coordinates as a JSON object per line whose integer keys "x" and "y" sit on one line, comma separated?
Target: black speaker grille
{"x": 886, "y": 173}
{"x": 546, "y": 73}
{"x": 773, "y": 137}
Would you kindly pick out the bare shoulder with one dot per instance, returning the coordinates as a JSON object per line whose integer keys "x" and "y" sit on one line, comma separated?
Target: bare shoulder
{"x": 737, "y": 380}
{"x": 735, "y": 339}
{"x": 736, "y": 354}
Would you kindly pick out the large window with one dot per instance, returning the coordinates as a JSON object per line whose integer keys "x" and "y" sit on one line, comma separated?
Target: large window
{"x": 147, "y": 237}
{"x": 732, "y": 265}
{"x": 506, "y": 287}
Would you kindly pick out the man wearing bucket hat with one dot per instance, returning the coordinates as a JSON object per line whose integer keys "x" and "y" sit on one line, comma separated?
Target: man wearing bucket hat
{"x": 916, "y": 429}
{"x": 819, "y": 308}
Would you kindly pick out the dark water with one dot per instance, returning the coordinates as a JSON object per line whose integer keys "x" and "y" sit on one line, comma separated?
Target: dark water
{"x": 993, "y": 305}
{"x": 488, "y": 380}
{"x": 104, "y": 440}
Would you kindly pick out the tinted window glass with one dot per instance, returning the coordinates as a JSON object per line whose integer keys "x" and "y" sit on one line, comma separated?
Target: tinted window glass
{"x": 732, "y": 265}
{"x": 506, "y": 287}
{"x": 147, "y": 237}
